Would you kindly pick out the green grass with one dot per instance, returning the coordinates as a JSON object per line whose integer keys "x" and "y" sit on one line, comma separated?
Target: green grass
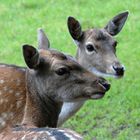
{"x": 117, "y": 115}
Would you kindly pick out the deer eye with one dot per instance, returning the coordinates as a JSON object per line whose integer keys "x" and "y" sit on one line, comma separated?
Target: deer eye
{"x": 62, "y": 71}
{"x": 90, "y": 48}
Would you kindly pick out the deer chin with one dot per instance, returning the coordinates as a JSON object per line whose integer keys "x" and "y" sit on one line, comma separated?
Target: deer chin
{"x": 118, "y": 76}
{"x": 98, "y": 95}
{"x": 102, "y": 74}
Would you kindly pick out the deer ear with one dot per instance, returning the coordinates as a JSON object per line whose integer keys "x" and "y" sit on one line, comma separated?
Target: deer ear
{"x": 115, "y": 25}
{"x": 74, "y": 28}
{"x": 31, "y": 56}
{"x": 43, "y": 41}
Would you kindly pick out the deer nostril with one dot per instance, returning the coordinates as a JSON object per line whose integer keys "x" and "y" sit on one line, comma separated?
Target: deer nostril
{"x": 105, "y": 84}
{"x": 119, "y": 70}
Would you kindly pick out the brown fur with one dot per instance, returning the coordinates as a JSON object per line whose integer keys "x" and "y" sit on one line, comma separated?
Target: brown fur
{"x": 12, "y": 94}
{"x": 35, "y": 94}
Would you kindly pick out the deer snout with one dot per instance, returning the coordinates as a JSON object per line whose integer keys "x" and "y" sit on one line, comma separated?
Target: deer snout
{"x": 104, "y": 83}
{"x": 102, "y": 86}
{"x": 119, "y": 69}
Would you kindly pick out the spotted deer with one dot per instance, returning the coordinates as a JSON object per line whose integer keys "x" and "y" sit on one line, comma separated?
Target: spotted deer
{"x": 34, "y": 95}
{"x": 96, "y": 51}
{"x": 23, "y": 132}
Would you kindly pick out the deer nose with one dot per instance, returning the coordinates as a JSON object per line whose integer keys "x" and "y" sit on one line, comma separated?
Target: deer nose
{"x": 105, "y": 84}
{"x": 119, "y": 70}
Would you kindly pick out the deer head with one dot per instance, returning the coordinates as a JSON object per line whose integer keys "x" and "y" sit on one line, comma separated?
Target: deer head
{"x": 97, "y": 47}
{"x": 54, "y": 78}
{"x": 60, "y": 67}
{"x": 50, "y": 79}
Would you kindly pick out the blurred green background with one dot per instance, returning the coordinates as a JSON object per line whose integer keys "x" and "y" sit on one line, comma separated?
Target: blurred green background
{"x": 117, "y": 115}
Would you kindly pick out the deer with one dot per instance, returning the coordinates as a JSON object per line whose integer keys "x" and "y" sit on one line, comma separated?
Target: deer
{"x": 96, "y": 51}
{"x": 34, "y": 95}
{"x": 24, "y": 132}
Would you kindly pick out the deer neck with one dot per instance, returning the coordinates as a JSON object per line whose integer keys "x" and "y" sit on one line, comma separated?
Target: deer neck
{"x": 80, "y": 60}
{"x": 40, "y": 111}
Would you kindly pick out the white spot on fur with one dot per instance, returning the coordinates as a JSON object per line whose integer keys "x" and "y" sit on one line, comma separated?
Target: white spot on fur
{"x": 17, "y": 94}
{"x": 18, "y": 82}
{"x": 4, "y": 115}
{"x": 7, "y": 114}
{"x": 21, "y": 97}
{"x": 2, "y": 122}
{"x": 19, "y": 104}
{"x": 5, "y": 88}
{"x": 11, "y": 91}
{"x": 1, "y": 101}
{"x": 1, "y": 81}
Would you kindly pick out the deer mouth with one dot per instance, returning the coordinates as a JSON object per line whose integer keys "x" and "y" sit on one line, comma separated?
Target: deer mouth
{"x": 118, "y": 76}
{"x": 102, "y": 74}
{"x": 98, "y": 95}
{"x": 95, "y": 96}
{"x": 106, "y": 74}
